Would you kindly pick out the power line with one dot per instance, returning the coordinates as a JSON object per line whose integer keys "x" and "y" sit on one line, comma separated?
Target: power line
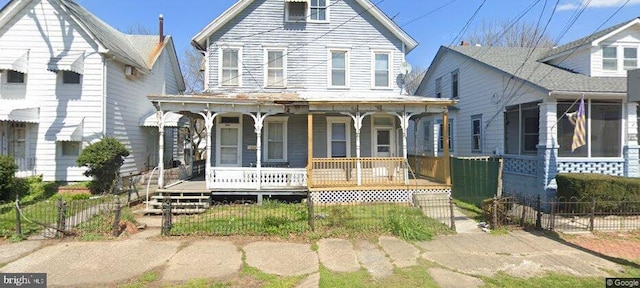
{"x": 466, "y": 26}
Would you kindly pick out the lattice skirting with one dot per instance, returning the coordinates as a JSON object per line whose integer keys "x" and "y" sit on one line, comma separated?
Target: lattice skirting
{"x": 372, "y": 196}
{"x": 609, "y": 168}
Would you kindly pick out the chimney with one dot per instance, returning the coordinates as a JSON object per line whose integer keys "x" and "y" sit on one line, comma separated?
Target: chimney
{"x": 464, "y": 43}
{"x": 161, "y": 28}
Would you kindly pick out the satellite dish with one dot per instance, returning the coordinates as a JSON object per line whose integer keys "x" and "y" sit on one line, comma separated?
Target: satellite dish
{"x": 406, "y": 68}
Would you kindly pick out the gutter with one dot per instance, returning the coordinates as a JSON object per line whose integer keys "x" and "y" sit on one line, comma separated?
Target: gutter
{"x": 589, "y": 95}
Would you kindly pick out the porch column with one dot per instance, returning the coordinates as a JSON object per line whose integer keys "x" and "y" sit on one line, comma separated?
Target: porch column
{"x": 191, "y": 150}
{"x": 547, "y": 147}
{"x": 357, "y": 124}
{"x": 208, "y": 123}
{"x": 160, "y": 116}
{"x": 309, "y": 149}
{"x": 631, "y": 149}
{"x": 445, "y": 147}
{"x": 404, "y": 124}
{"x": 258, "y": 123}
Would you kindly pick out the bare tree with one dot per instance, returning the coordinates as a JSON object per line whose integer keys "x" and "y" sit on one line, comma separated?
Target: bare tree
{"x": 139, "y": 29}
{"x": 522, "y": 34}
{"x": 413, "y": 79}
{"x": 193, "y": 70}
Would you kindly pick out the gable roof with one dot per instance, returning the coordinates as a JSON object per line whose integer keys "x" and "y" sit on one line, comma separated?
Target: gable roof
{"x": 509, "y": 60}
{"x": 588, "y": 40}
{"x": 148, "y": 48}
{"x": 200, "y": 39}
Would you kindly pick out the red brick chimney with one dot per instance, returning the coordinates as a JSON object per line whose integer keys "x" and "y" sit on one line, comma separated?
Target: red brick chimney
{"x": 464, "y": 43}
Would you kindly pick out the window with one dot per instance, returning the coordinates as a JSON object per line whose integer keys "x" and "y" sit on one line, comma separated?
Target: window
{"x": 604, "y": 130}
{"x": 276, "y": 68}
{"x": 427, "y": 145}
{"x": 70, "y": 148}
{"x": 382, "y": 72}
{"x": 441, "y": 134}
{"x": 609, "y": 58}
{"x": 439, "y": 87}
{"x": 476, "y": 133}
{"x": 454, "y": 84}
{"x": 15, "y": 77}
{"x": 230, "y": 72}
{"x": 339, "y": 69}
{"x": 296, "y": 11}
{"x": 69, "y": 77}
{"x": 521, "y": 125}
{"x": 530, "y": 135}
{"x": 630, "y": 58}
{"x": 339, "y": 134}
{"x": 318, "y": 10}
{"x": 17, "y": 140}
{"x": 275, "y": 138}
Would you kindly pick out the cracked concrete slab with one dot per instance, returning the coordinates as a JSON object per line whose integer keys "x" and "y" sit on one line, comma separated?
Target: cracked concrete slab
{"x": 338, "y": 255}
{"x": 449, "y": 279}
{"x": 285, "y": 259}
{"x": 402, "y": 253}
{"x": 312, "y": 281}
{"x": 204, "y": 259}
{"x": 13, "y": 251}
{"x": 373, "y": 259}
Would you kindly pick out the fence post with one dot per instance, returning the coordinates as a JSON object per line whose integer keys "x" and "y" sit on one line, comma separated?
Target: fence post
{"x": 552, "y": 221}
{"x": 453, "y": 217}
{"x": 539, "y": 213}
{"x": 494, "y": 213}
{"x": 524, "y": 208}
{"x": 311, "y": 213}
{"x": 18, "y": 218}
{"x": 592, "y": 215}
{"x": 62, "y": 207}
{"x": 166, "y": 217}
{"x": 116, "y": 220}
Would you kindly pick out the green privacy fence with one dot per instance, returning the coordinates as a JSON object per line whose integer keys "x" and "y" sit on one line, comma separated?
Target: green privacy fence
{"x": 475, "y": 179}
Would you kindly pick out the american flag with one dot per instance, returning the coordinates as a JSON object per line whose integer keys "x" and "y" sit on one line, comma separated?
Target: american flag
{"x": 579, "y": 131}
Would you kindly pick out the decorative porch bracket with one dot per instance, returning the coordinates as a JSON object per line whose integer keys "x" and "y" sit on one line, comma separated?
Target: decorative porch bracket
{"x": 208, "y": 124}
{"x": 258, "y": 124}
{"x": 357, "y": 123}
{"x": 404, "y": 124}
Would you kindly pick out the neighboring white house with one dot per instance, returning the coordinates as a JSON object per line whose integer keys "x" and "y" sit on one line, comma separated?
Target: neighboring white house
{"x": 512, "y": 102}
{"x": 69, "y": 79}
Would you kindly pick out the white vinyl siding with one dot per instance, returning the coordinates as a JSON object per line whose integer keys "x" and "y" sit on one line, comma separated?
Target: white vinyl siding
{"x": 381, "y": 76}
{"x": 275, "y": 142}
{"x": 231, "y": 68}
{"x": 339, "y": 69}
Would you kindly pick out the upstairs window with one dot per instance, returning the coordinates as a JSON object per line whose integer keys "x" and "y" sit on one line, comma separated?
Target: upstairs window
{"x": 339, "y": 69}
{"x": 439, "y": 87}
{"x": 382, "y": 70}
{"x": 15, "y": 77}
{"x": 610, "y": 58}
{"x": 630, "y": 58}
{"x": 318, "y": 11}
{"x": 276, "y": 68}
{"x": 230, "y": 67}
{"x": 476, "y": 133}
{"x": 69, "y": 77}
{"x": 454, "y": 85}
{"x": 296, "y": 10}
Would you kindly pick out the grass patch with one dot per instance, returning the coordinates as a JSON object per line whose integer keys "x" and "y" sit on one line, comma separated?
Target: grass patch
{"x": 100, "y": 226}
{"x": 269, "y": 280}
{"x": 548, "y": 280}
{"x": 500, "y": 231}
{"x": 470, "y": 210}
{"x": 416, "y": 276}
{"x": 143, "y": 281}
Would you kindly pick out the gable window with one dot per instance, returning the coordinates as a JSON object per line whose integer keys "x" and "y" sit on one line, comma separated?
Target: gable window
{"x": 339, "y": 68}
{"x": 339, "y": 135}
{"x": 69, "y": 77}
{"x": 296, "y": 10}
{"x": 276, "y": 67}
{"x": 382, "y": 70}
{"x": 610, "y": 58}
{"x": 275, "y": 141}
{"x": 230, "y": 67}
{"x": 476, "y": 133}
{"x": 439, "y": 87}
{"x": 630, "y": 58}
{"x": 318, "y": 10}
{"x": 427, "y": 145}
{"x": 454, "y": 84}
{"x": 70, "y": 148}
{"x": 15, "y": 77}
{"x": 441, "y": 134}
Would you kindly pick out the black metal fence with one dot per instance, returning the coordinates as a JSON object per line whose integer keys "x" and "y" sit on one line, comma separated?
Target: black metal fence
{"x": 562, "y": 214}
{"x": 57, "y": 218}
{"x": 280, "y": 218}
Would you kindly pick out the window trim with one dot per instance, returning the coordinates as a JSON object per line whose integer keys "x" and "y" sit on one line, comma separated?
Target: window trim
{"x": 221, "y": 49}
{"x": 338, "y": 119}
{"x": 218, "y": 145}
{"x": 474, "y": 118}
{"x": 615, "y": 58}
{"x": 438, "y": 87}
{"x": 455, "y": 85}
{"x": 326, "y": 12}
{"x": 265, "y": 71}
{"x": 347, "y": 66}
{"x": 265, "y": 139}
{"x": 373, "y": 69}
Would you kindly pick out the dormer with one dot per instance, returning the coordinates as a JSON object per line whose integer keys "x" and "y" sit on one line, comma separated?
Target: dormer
{"x": 607, "y": 53}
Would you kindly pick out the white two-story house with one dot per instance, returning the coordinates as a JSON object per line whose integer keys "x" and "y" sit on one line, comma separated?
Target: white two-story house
{"x": 68, "y": 79}
{"x": 515, "y": 102}
{"x": 304, "y": 94}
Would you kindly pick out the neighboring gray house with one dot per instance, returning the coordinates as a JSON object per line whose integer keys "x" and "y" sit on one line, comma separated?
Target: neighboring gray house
{"x": 512, "y": 102}
{"x": 68, "y": 79}
{"x": 305, "y": 94}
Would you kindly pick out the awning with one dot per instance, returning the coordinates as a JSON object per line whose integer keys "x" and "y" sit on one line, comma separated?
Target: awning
{"x": 73, "y": 62}
{"x": 303, "y": 1}
{"x": 20, "y": 114}
{"x": 70, "y": 132}
{"x": 171, "y": 120}
{"x": 16, "y": 60}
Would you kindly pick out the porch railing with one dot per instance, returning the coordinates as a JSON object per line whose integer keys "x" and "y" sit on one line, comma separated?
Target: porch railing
{"x": 247, "y": 178}
{"x": 428, "y": 166}
{"x": 340, "y": 172}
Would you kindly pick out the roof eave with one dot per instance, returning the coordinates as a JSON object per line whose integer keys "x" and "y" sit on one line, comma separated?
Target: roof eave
{"x": 199, "y": 39}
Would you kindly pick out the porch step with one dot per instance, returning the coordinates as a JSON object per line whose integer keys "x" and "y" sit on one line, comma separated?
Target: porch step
{"x": 182, "y": 201}
{"x": 176, "y": 211}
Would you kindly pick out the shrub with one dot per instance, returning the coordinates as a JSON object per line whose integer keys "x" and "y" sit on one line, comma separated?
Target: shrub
{"x": 8, "y": 170}
{"x": 103, "y": 160}
{"x": 598, "y": 186}
{"x": 407, "y": 227}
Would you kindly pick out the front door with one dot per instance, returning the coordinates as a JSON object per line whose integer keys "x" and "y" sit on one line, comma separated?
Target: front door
{"x": 383, "y": 142}
{"x": 229, "y": 144}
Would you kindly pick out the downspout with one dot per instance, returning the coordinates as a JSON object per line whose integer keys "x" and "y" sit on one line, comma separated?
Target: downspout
{"x": 104, "y": 96}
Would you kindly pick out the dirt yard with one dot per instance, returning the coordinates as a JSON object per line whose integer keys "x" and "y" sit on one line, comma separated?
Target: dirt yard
{"x": 619, "y": 245}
